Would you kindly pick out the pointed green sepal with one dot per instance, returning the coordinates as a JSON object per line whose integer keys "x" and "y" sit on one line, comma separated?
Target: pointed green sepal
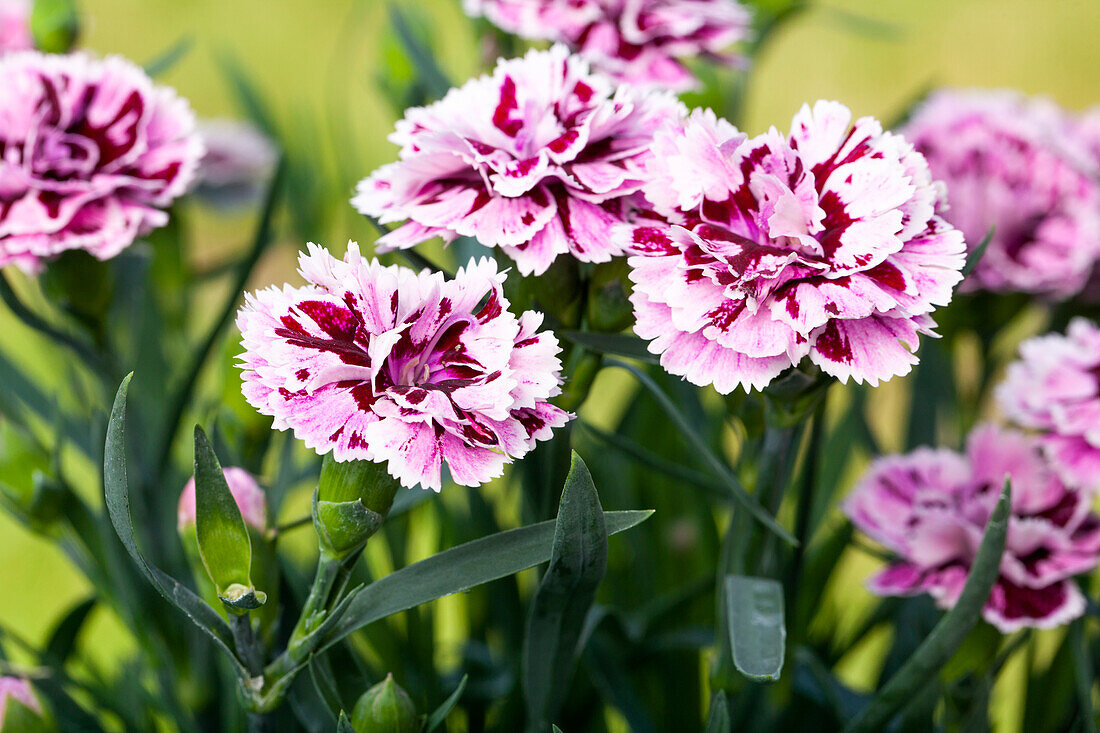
{"x": 224, "y": 544}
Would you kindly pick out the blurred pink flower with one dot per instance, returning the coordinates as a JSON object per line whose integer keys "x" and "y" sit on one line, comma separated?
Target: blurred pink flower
{"x": 1054, "y": 389}
{"x": 239, "y": 160}
{"x": 387, "y": 364}
{"x": 930, "y": 507}
{"x": 250, "y": 498}
{"x": 535, "y": 159}
{"x": 759, "y": 252}
{"x": 15, "y": 26}
{"x": 91, "y": 153}
{"x": 1014, "y": 163}
{"x": 640, "y": 42}
{"x": 16, "y": 688}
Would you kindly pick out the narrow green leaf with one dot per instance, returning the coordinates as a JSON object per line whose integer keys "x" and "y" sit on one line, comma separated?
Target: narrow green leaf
{"x": 1083, "y": 675}
{"x": 737, "y": 492}
{"x": 934, "y": 652}
{"x": 168, "y": 58}
{"x": 758, "y": 635}
{"x": 461, "y": 568}
{"x": 976, "y": 254}
{"x": 578, "y": 562}
{"x": 439, "y": 715}
{"x": 427, "y": 70}
{"x": 63, "y": 638}
{"x": 718, "y": 718}
{"x": 117, "y": 499}
{"x": 249, "y": 98}
{"x": 55, "y": 25}
{"x": 613, "y": 344}
{"x": 224, "y": 544}
{"x": 343, "y": 725}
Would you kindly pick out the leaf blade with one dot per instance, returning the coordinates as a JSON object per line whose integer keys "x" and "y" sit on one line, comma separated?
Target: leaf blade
{"x": 578, "y": 562}
{"x": 941, "y": 643}
{"x": 459, "y": 569}
{"x": 754, "y": 609}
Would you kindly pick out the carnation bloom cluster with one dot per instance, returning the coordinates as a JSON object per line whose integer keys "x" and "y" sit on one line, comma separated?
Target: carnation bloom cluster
{"x": 536, "y": 159}
{"x": 930, "y": 508}
{"x": 91, "y": 153}
{"x": 1015, "y": 164}
{"x": 1054, "y": 389}
{"x": 249, "y": 497}
{"x": 387, "y": 364}
{"x": 761, "y": 251}
{"x": 640, "y": 42}
{"x": 15, "y": 26}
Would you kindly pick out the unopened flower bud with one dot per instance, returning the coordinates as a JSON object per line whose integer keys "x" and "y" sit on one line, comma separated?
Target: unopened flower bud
{"x": 19, "y": 709}
{"x": 250, "y": 499}
{"x": 385, "y": 708}
{"x": 353, "y": 499}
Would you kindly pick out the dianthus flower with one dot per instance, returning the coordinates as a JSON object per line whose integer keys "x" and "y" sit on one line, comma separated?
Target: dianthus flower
{"x": 238, "y": 161}
{"x": 15, "y": 26}
{"x": 1013, "y": 164}
{"x": 639, "y": 42}
{"x": 387, "y": 364}
{"x": 1054, "y": 389}
{"x": 536, "y": 159}
{"x": 930, "y": 508}
{"x": 91, "y": 153}
{"x": 250, "y": 499}
{"x": 759, "y": 252}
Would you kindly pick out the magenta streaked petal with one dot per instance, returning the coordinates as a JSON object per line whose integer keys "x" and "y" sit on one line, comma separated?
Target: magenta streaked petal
{"x": 390, "y": 365}
{"x": 540, "y": 159}
{"x": 930, "y": 508}
{"x": 93, "y": 154}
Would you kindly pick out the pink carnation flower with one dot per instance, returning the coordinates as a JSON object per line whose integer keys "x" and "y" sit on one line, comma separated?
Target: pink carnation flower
{"x": 759, "y": 252}
{"x": 15, "y": 26}
{"x": 91, "y": 153}
{"x": 640, "y": 42}
{"x": 250, "y": 498}
{"x": 930, "y": 507}
{"x": 1055, "y": 389}
{"x": 386, "y": 364}
{"x": 1013, "y": 163}
{"x": 535, "y": 159}
{"x": 18, "y": 689}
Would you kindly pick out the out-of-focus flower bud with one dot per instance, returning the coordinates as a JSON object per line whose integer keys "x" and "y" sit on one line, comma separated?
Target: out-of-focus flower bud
{"x": 55, "y": 25}
{"x": 20, "y": 711}
{"x": 250, "y": 499}
{"x": 238, "y": 162}
{"x": 385, "y": 708}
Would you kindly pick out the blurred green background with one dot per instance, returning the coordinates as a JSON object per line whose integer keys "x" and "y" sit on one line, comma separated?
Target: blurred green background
{"x": 317, "y": 62}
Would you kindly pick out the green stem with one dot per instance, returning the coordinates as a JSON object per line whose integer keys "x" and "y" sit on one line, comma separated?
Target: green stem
{"x": 248, "y": 646}
{"x": 316, "y": 605}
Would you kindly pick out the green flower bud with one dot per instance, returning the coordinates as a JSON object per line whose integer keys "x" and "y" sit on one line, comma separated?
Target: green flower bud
{"x": 385, "y": 708}
{"x": 352, "y": 500}
{"x": 55, "y": 25}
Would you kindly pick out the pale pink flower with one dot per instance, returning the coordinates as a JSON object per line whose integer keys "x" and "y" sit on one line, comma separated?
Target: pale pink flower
{"x": 1054, "y": 389}
{"x": 91, "y": 153}
{"x": 760, "y": 252}
{"x": 238, "y": 162}
{"x": 930, "y": 508}
{"x": 1014, "y": 163}
{"x": 15, "y": 26}
{"x": 18, "y": 689}
{"x": 250, "y": 498}
{"x": 387, "y": 364}
{"x": 640, "y": 42}
{"x": 536, "y": 159}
